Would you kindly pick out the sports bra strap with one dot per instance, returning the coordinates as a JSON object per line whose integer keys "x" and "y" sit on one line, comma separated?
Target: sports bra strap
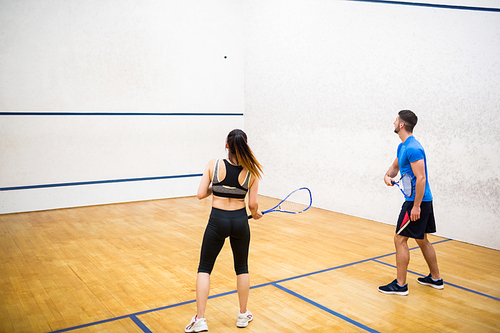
{"x": 215, "y": 178}
{"x": 247, "y": 180}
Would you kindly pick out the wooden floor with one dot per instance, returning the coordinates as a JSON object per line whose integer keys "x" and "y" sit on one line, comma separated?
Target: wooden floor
{"x": 132, "y": 268}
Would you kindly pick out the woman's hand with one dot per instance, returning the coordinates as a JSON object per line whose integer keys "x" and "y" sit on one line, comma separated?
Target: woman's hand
{"x": 257, "y": 215}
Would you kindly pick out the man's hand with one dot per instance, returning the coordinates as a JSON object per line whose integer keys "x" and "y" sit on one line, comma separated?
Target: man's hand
{"x": 392, "y": 172}
{"x": 415, "y": 213}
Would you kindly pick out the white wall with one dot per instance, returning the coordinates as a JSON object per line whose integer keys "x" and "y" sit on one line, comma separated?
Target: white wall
{"x": 324, "y": 81}
{"x": 149, "y": 58}
{"x": 320, "y": 84}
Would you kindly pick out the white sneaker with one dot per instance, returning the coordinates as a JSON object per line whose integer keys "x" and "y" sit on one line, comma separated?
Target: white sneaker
{"x": 197, "y": 325}
{"x": 244, "y": 319}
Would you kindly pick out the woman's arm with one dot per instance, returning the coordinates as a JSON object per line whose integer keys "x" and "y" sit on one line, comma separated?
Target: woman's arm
{"x": 252, "y": 199}
{"x": 205, "y": 188}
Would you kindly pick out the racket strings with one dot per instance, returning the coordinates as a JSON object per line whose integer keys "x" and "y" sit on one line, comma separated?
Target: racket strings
{"x": 291, "y": 206}
{"x": 407, "y": 185}
{"x": 296, "y": 202}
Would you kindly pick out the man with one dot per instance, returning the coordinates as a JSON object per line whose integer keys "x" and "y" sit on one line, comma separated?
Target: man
{"x": 417, "y": 208}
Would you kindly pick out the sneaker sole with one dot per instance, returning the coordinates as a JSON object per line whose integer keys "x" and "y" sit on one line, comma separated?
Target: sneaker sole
{"x": 431, "y": 285}
{"x": 243, "y": 325}
{"x": 201, "y": 330}
{"x": 196, "y": 331}
{"x": 400, "y": 293}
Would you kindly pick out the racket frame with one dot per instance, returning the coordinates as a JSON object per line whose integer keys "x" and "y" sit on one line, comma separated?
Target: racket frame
{"x": 397, "y": 183}
{"x": 276, "y": 209}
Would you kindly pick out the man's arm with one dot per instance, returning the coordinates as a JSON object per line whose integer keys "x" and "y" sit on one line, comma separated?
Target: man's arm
{"x": 418, "y": 168}
{"x": 391, "y": 173}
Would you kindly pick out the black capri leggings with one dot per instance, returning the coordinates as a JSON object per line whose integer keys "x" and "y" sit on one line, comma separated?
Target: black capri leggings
{"x": 223, "y": 224}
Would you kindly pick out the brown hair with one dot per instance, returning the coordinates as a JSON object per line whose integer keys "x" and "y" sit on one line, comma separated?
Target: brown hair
{"x": 409, "y": 119}
{"x": 239, "y": 148}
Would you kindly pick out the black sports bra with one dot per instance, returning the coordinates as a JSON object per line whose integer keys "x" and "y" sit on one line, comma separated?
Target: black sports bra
{"x": 229, "y": 187}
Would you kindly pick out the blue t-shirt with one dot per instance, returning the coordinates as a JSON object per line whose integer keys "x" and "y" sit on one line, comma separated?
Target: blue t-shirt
{"x": 408, "y": 152}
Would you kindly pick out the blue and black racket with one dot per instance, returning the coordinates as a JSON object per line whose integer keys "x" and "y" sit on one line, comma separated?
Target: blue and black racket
{"x": 405, "y": 185}
{"x": 296, "y": 202}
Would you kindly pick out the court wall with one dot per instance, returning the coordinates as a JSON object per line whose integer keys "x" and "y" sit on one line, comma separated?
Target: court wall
{"x": 324, "y": 81}
{"x": 113, "y": 101}
{"x": 116, "y": 101}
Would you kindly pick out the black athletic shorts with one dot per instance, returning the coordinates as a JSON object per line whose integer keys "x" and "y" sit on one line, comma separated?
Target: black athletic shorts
{"x": 416, "y": 229}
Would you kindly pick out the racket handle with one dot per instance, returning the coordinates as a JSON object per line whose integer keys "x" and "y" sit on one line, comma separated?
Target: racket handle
{"x": 264, "y": 212}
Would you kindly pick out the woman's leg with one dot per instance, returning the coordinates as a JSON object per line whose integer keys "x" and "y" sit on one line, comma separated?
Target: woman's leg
{"x": 213, "y": 241}
{"x": 240, "y": 243}
{"x": 243, "y": 287}
{"x": 202, "y": 291}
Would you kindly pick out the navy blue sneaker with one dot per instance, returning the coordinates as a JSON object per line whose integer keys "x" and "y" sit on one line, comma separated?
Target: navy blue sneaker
{"x": 428, "y": 281}
{"x": 394, "y": 288}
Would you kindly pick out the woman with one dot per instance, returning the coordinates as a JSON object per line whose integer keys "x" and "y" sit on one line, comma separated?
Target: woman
{"x": 229, "y": 181}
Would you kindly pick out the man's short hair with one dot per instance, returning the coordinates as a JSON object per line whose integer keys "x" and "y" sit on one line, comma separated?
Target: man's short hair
{"x": 409, "y": 119}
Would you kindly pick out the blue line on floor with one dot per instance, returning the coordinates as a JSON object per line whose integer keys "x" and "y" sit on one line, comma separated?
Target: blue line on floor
{"x": 324, "y": 308}
{"x": 134, "y": 315}
{"x": 90, "y": 324}
{"x": 141, "y": 325}
{"x": 338, "y": 267}
{"x": 446, "y": 283}
{"x": 274, "y": 283}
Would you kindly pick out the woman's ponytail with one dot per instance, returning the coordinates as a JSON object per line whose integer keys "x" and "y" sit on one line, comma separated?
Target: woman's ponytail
{"x": 239, "y": 148}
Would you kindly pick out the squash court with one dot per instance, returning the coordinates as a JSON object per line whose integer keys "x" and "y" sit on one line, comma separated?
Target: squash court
{"x": 109, "y": 111}
{"x": 131, "y": 267}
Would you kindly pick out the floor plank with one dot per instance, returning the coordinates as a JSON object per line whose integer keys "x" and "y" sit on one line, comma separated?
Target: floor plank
{"x": 317, "y": 271}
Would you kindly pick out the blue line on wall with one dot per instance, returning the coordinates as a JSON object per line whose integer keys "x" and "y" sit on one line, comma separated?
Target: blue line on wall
{"x": 114, "y": 114}
{"x": 30, "y": 187}
{"x": 421, "y": 4}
